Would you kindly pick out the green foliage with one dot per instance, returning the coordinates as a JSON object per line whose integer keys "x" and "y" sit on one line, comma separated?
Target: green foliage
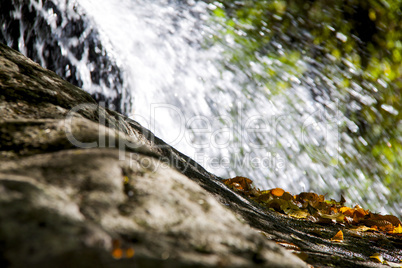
{"x": 358, "y": 45}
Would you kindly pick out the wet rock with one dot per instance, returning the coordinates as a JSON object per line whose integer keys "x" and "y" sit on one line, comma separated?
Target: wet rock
{"x": 57, "y": 35}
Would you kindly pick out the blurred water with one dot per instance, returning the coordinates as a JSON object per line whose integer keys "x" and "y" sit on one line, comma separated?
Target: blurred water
{"x": 189, "y": 94}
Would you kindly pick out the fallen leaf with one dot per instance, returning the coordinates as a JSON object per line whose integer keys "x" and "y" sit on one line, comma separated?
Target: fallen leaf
{"x": 377, "y": 257}
{"x": 240, "y": 183}
{"x": 339, "y": 217}
{"x": 117, "y": 253}
{"x": 389, "y": 218}
{"x": 382, "y": 225}
{"x": 297, "y": 213}
{"x": 392, "y": 219}
{"x": 347, "y": 211}
{"x": 397, "y": 230}
{"x": 265, "y": 197}
{"x": 314, "y": 208}
{"x": 363, "y": 228}
{"x": 338, "y": 237}
{"x": 130, "y": 253}
{"x": 359, "y": 212}
{"x": 277, "y": 191}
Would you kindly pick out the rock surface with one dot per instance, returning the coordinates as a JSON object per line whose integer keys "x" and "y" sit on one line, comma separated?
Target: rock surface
{"x": 82, "y": 186}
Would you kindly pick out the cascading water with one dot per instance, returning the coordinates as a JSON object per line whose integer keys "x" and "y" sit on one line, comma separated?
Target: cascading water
{"x": 220, "y": 117}
{"x": 188, "y": 93}
{"x": 54, "y": 35}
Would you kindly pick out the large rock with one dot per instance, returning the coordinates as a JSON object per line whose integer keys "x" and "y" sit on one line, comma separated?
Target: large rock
{"x": 68, "y": 207}
{"x": 80, "y": 184}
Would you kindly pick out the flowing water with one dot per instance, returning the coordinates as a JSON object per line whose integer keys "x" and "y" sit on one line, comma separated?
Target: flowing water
{"x": 188, "y": 93}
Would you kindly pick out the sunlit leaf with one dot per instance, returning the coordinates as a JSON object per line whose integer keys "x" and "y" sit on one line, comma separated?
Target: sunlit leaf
{"x": 117, "y": 253}
{"x": 377, "y": 257}
{"x": 338, "y": 237}
{"x": 277, "y": 191}
{"x": 339, "y": 217}
{"x": 314, "y": 208}
{"x": 397, "y": 230}
{"x": 347, "y": 211}
{"x": 359, "y": 212}
{"x": 363, "y": 228}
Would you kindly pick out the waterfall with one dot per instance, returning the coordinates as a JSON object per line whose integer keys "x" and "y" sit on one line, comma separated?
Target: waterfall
{"x": 185, "y": 90}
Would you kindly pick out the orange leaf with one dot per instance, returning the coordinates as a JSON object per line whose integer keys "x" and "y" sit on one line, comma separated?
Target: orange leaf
{"x": 277, "y": 191}
{"x": 356, "y": 219}
{"x": 130, "y": 253}
{"x": 359, "y": 212}
{"x": 117, "y": 253}
{"x": 397, "y": 230}
{"x": 338, "y": 237}
{"x": 346, "y": 211}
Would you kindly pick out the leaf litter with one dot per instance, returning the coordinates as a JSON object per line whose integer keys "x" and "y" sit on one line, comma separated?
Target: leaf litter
{"x": 312, "y": 207}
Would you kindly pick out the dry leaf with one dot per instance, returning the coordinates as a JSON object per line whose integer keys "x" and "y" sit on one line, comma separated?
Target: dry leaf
{"x": 277, "y": 192}
{"x": 313, "y": 207}
{"x": 377, "y": 257}
{"x": 338, "y": 237}
{"x": 397, "y": 230}
{"x": 363, "y": 228}
{"x": 130, "y": 253}
{"x": 117, "y": 253}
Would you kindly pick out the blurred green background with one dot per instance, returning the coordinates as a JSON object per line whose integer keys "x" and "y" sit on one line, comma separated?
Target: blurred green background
{"x": 355, "y": 47}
